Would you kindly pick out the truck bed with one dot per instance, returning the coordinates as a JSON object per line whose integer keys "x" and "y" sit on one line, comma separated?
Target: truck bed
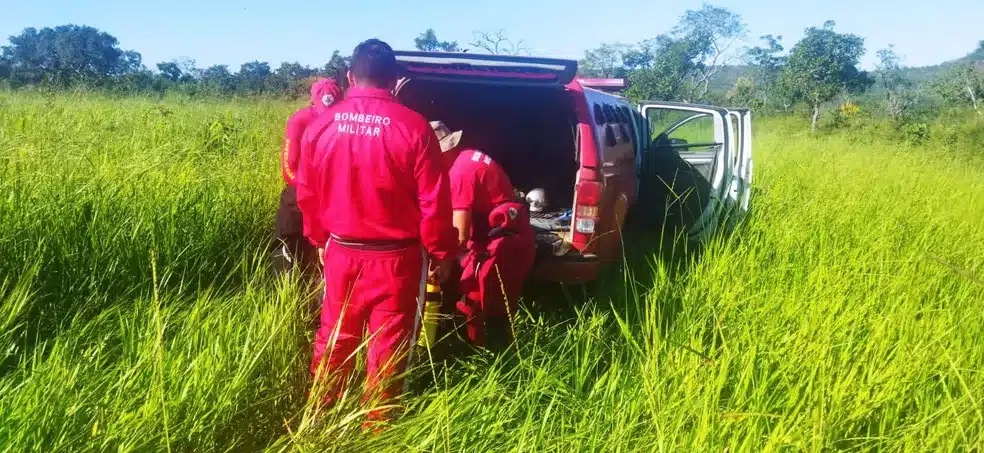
{"x": 551, "y": 228}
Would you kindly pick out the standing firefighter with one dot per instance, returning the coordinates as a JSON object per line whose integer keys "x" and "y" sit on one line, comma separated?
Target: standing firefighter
{"x": 495, "y": 229}
{"x": 375, "y": 196}
{"x": 292, "y": 249}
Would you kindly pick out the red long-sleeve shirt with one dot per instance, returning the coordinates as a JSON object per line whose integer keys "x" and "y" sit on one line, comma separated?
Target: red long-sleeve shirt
{"x": 324, "y": 93}
{"x": 478, "y": 185}
{"x": 291, "y": 151}
{"x": 372, "y": 170}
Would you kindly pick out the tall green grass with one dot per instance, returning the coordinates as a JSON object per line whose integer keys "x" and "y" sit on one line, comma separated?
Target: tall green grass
{"x": 136, "y": 313}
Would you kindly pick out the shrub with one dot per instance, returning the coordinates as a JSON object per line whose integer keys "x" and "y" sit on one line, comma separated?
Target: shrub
{"x": 915, "y": 133}
{"x": 847, "y": 116}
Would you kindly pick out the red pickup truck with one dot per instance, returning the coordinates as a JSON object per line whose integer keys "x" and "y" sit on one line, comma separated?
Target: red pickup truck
{"x": 594, "y": 154}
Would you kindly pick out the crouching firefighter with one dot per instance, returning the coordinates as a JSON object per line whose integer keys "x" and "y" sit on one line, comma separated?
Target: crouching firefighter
{"x": 292, "y": 250}
{"x": 494, "y": 230}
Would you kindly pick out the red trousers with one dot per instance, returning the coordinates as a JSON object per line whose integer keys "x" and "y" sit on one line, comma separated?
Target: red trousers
{"x": 379, "y": 292}
{"x": 491, "y": 281}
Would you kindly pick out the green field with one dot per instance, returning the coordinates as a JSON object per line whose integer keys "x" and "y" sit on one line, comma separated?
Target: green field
{"x": 137, "y": 314}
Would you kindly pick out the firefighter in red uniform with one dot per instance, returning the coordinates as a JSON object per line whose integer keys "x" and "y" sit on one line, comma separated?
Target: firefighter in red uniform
{"x": 293, "y": 250}
{"x": 495, "y": 230}
{"x": 374, "y": 193}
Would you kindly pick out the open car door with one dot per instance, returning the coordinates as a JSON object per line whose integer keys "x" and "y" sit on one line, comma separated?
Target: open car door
{"x": 466, "y": 67}
{"x": 743, "y": 172}
{"x": 739, "y": 192}
{"x": 687, "y": 170}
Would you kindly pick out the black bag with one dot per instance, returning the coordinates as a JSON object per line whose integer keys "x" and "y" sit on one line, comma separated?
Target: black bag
{"x": 290, "y": 223}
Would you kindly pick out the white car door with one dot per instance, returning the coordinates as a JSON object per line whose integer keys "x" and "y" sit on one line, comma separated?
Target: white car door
{"x": 737, "y": 135}
{"x": 688, "y": 169}
{"x": 745, "y": 160}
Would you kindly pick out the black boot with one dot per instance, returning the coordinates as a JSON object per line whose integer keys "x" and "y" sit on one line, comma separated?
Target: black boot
{"x": 498, "y": 334}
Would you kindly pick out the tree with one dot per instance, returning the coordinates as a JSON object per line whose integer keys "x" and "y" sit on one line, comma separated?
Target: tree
{"x": 642, "y": 55}
{"x": 898, "y": 93}
{"x": 496, "y": 43}
{"x": 711, "y": 32}
{"x": 337, "y": 69}
{"x": 428, "y": 42}
{"x": 252, "y": 76}
{"x": 4, "y": 68}
{"x": 294, "y": 71}
{"x": 170, "y": 71}
{"x": 131, "y": 61}
{"x": 678, "y": 65}
{"x": 217, "y": 79}
{"x": 962, "y": 85}
{"x": 977, "y": 55}
{"x": 289, "y": 79}
{"x": 189, "y": 72}
{"x": 767, "y": 59}
{"x": 141, "y": 81}
{"x": 744, "y": 94}
{"x": 607, "y": 61}
{"x": 64, "y": 55}
{"x": 766, "y": 62}
{"x": 823, "y": 65}
{"x": 337, "y": 63}
{"x": 660, "y": 68}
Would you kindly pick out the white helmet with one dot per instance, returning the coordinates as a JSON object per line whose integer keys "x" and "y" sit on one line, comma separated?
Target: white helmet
{"x": 537, "y": 198}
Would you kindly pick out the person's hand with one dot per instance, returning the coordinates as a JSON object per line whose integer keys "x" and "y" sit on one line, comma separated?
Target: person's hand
{"x": 321, "y": 256}
{"x": 439, "y": 270}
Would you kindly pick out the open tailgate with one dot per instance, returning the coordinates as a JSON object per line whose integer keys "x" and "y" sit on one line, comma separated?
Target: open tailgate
{"x": 467, "y": 67}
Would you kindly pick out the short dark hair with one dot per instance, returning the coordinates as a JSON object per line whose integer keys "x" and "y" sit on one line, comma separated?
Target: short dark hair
{"x": 373, "y": 63}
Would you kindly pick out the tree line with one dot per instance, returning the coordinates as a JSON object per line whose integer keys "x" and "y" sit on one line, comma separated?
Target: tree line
{"x": 72, "y": 55}
{"x": 684, "y": 64}
{"x": 821, "y": 68}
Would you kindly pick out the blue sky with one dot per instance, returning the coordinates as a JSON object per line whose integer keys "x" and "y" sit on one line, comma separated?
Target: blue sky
{"x": 233, "y": 32}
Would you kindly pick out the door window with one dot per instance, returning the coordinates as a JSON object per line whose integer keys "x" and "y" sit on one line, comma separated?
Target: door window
{"x": 683, "y": 173}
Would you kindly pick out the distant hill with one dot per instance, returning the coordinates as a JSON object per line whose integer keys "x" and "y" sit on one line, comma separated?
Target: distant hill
{"x": 728, "y": 75}
{"x": 976, "y": 56}
{"x": 927, "y": 73}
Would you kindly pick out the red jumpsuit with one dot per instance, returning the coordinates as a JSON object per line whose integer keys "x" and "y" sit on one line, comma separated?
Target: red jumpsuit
{"x": 481, "y": 187}
{"x": 374, "y": 194}
{"x": 324, "y": 93}
{"x": 290, "y": 153}
{"x": 294, "y": 249}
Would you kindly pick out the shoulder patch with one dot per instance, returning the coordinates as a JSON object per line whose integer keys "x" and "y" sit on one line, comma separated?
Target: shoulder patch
{"x": 479, "y": 156}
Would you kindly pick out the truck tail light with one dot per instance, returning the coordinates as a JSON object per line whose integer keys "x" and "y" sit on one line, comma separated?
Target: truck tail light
{"x": 586, "y": 218}
{"x": 587, "y": 213}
